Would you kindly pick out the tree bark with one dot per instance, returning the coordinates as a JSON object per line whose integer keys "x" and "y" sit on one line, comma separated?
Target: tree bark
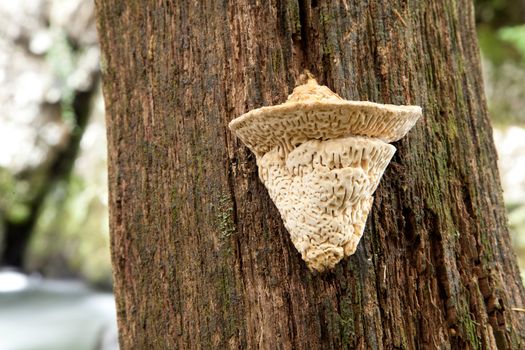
{"x": 200, "y": 254}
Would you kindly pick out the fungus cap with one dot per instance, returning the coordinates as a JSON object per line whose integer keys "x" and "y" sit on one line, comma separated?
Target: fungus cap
{"x": 315, "y": 112}
{"x": 321, "y": 159}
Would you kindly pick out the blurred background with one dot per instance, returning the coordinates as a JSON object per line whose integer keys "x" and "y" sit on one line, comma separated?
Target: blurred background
{"x": 55, "y": 272}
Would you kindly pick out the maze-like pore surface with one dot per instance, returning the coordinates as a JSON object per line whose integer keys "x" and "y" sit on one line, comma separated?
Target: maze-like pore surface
{"x": 323, "y": 190}
{"x": 321, "y": 158}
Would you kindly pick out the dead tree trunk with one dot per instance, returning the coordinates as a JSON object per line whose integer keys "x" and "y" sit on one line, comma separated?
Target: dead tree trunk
{"x": 200, "y": 254}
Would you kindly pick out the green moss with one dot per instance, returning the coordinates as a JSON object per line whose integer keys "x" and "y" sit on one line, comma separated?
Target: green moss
{"x": 295, "y": 17}
{"x": 346, "y": 322}
{"x": 327, "y": 49}
{"x": 486, "y": 257}
{"x": 229, "y": 321}
{"x": 326, "y": 19}
{"x": 469, "y": 325}
{"x": 277, "y": 60}
{"x": 225, "y": 217}
{"x": 452, "y": 127}
{"x": 358, "y": 298}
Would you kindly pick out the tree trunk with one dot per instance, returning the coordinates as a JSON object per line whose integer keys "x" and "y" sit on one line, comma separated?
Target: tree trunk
{"x": 200, "y": 254}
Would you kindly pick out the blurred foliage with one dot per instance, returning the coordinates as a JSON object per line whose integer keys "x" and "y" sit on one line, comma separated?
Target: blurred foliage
{"x": 61, "y": 57}
{"x": 503, "y": 52}
{"x": 503, "y": 44}
{"x": 71, "y": 233}
{"x": 14, "y": 197}
{"x": 500, "y": 13}
{"x": 51, "y": 68}
{"x": 494, "y": 47}
{"x": 71, "y": 237}
{"x": 501, "y": 34}
{"x": 516, "y": 37}
{"x": 517, "y": 227}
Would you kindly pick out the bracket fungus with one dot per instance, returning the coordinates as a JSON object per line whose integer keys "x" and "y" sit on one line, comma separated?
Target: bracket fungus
{"x": 321, "y": 158}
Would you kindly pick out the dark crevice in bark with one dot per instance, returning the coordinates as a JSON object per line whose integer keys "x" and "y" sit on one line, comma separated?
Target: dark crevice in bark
{"x": 304, "y": 22}
{"x": 231, "y": 196}
{"x": 292, "y": 329}
{"x": 437, "y": 268}
{"x": 380, "y": 274}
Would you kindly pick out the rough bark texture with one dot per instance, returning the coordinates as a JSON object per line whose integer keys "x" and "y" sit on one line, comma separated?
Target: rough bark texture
{"x": 200, "y": 254}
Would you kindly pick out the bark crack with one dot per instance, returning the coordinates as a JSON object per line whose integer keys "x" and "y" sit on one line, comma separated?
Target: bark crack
{"x": 301, "y": 41}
